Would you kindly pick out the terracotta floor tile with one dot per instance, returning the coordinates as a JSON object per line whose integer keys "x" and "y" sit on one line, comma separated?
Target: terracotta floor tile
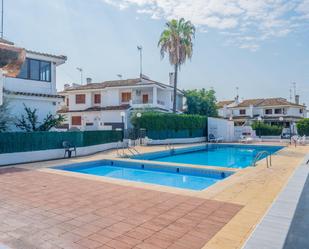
{"x": 57, "y": 211}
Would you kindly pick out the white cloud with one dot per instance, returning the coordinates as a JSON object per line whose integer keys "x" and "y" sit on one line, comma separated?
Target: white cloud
{"x": 258, "y": 19}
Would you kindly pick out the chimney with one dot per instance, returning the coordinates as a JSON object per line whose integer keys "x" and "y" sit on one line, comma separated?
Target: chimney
{"x": 172, "y": 79}
{"x": 297, "y": 99}
{"x": 88, "y": 80}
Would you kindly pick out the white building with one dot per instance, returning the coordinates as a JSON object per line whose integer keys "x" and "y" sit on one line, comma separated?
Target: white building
{"x": 270, "y": 110}
{"x": 35, "y": 85}
{"x": 97, "y": 106}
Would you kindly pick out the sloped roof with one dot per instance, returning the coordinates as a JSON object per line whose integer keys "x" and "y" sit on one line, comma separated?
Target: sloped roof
{"x": 221, "y": 104}
{"x": 267, "y": 102}
{"x": 61, "y": 57}
{"x": 117, "y": 83}
{"x": 98, "y": 108}
{"x": 33, "y": 94}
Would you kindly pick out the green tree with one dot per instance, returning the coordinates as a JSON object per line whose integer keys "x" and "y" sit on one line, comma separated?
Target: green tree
{"x": 30, "y": 122}
{"x": 303, "y": 127}
{"x": 201, "y": 102}
{"x": 5, "y": 117}
{"x": 176, "y": 41}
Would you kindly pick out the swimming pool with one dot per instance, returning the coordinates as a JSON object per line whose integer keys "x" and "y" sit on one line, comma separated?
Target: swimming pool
{"x": 222, "y": 155}
{"x": 178, "y": 177}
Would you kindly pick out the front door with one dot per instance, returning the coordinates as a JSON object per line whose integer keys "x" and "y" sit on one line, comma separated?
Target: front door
{"x": 145, "y": 98}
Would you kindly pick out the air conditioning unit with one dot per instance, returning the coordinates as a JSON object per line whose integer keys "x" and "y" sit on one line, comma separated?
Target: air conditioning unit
{"x": 138, "y": 92}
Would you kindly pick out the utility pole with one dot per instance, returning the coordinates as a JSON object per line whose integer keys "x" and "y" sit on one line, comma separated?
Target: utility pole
{"x": 2, "y": 17}
{"x": 140, "y": 49}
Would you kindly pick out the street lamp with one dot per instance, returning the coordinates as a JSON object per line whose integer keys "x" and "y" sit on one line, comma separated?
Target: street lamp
{"x": 122, "y": 114}
{"x": 138, "y": 115}
{"x": 81, "y": 74}
{"x": 260, "y": 119}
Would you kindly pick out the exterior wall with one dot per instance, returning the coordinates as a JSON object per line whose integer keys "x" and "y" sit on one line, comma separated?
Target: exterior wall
{"x": 98, "y": 118}
{"x": 44, "y": 106}
{"x": 221, "y": 128}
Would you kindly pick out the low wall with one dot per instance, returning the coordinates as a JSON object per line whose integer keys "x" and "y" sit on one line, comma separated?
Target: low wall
{"x": 41, "y": 155}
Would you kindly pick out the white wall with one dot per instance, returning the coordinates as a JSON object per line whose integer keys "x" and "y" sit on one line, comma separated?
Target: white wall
{"x": 221, "y": 128}
{"x": 43, "y": 105}
{"x": 32, "y": 156}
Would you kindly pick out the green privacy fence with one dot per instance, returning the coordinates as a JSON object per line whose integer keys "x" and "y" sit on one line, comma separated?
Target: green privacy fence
{"x": 165, "y": 134}
{"x": 31, "y": 141}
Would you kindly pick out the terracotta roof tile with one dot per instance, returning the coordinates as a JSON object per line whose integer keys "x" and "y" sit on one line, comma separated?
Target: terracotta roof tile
{"x": 266, "y": 102}
{"x": 33, "y": 94}
{"x": 98, "y": 108}
{"x": 221, "y": 104}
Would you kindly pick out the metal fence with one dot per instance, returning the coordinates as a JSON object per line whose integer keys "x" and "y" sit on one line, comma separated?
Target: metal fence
{"x": 31, "y": 141}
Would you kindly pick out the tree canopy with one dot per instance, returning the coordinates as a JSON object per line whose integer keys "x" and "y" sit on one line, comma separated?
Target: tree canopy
{"x": 202, "y": 102}
{"x": 176, "y": 40}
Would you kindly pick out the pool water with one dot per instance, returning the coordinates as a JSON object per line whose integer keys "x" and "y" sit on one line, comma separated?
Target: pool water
{"x": 184, "y": 178}
{"x": 230, "y": 156}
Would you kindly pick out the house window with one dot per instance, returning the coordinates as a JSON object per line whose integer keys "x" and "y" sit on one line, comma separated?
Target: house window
{"x": 269, "y": 111}
{"x": 68, "y": 101}
{"x": 35, "y": 70}
{"x": 301, "y": 111}
{"x": 242, "y": 112}
{"x": 80, "y": 99}
{"x": 97, "y": 98}
{"x": 76, "y": 120}
{"x": 125, "y": 97}
{"x": 278, "y": 111}
{"x": 145, "y": 98}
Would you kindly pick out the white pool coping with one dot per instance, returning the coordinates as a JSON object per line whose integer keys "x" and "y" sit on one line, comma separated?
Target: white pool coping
{"x": 272, "y": 231}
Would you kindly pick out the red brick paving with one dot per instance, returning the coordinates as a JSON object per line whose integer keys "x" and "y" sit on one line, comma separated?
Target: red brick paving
{"x": 43, "y": 210}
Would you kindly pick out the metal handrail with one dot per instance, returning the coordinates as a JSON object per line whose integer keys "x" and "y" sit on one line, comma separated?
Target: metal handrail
{"x": 259, "y": 155}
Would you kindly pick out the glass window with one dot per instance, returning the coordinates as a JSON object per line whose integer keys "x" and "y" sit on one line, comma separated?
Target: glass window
{"x": 242, "y": 112}
{"x": 34, "y": 70}
{"x": 269, "y": 111}
{"x": 125, "y": 97}
{"x": 45, "y": 71}
{"x": 24, "y": 70}
{"x": 80, "y": 99}
{"x": 278, "y": 111}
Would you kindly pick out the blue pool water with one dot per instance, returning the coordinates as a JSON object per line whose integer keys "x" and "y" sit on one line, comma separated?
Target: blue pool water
{"x": 230, "y": 156}
{"x": 185, "y": 178}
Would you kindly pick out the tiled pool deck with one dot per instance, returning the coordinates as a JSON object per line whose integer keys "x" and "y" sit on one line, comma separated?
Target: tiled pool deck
{"x": 42, "y": 208}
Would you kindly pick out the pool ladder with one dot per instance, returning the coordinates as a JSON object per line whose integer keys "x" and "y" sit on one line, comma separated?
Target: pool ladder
{"x": 170, "y": 147}
{"x": 259, "y": 156}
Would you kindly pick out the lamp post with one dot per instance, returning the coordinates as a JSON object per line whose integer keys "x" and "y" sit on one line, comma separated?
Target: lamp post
{"x": 122, "y": 114}
{"x": 81, "y": 74}
{"x": 140, "y": 49}
{"x": 260, "y": 119}
{"x": 138, "y": 115}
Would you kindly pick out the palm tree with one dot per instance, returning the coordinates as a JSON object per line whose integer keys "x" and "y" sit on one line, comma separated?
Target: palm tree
{"x": 176, "y": 41}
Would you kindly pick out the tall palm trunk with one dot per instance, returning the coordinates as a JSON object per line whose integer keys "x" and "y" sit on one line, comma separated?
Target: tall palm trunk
{"x": 175, "y": 88}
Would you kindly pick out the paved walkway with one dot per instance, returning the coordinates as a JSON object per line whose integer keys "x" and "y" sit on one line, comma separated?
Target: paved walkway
{"x": 298, "y": 233}
{"x": 44, "y": 210}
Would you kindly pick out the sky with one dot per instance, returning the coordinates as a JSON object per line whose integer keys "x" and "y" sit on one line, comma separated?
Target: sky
{"x": 259, "y": 46}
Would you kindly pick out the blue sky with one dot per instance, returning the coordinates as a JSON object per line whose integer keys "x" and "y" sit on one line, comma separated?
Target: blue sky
{"x": 259, "y": 46}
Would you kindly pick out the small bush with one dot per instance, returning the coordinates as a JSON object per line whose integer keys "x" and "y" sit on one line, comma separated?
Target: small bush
{"x": 263, "y": 129}
{"x": 167, "y": 121}
{"x": 303, "y": 127}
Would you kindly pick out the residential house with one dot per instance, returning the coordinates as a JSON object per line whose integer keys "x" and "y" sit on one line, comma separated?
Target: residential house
{"x": 108, "y": 105}
{"x": 35, "y": 84}
{"x": 269, "y": 110}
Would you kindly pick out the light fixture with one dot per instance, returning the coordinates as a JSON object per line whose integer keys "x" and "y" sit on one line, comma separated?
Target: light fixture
{"x": 138, "y": 114}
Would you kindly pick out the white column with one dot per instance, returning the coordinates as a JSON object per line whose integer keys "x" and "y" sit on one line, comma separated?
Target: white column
{"x": 155, "y": 96}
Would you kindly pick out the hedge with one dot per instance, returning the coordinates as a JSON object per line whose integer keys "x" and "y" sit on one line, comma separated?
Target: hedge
{"x": 263, "y": 129}
{"x": 303, "y": 127}
{"x": 168, "y": 121}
